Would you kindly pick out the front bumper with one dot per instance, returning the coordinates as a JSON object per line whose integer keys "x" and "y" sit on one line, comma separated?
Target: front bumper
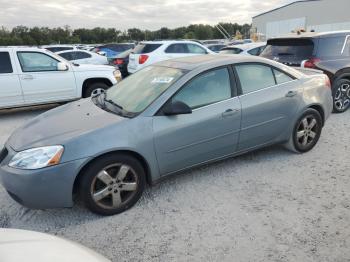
{"x": 50, "y": 187}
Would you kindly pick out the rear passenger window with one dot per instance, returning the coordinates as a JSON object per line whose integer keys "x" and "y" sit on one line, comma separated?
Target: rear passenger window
{"x": 177, "y": 49}
{"x": 68, "y": 56}
{"x": 281, "y": 77}
{"x": 195, "y": 49}
{"x": 146, "y": 48}
{"x": 81, "y": 55}
{"x": 255, "y": 51}
{"x": 5, "y": 63}
{"x": 254, "y": 77}
{"x": 331, "y": 46}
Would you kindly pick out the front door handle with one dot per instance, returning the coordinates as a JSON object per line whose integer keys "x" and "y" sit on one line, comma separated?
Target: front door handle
{"x": 230, "y": 112}
{"x": 291, "y": 94}
{"x": 27, "y": 77}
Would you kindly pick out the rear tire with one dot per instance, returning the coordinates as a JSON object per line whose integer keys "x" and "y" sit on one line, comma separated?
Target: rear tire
{"x": 92, "y": 87}
{"x": 306, "y": 132}
{"x": 112, "y": 184}
{"x": 341, "y": 95}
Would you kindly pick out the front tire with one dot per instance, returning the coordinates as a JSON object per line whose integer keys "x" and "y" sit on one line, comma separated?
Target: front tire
{"x": 306, "y": 132}
{"x": 94, "y": 86}
{"x": 112, "y": 184}
{"x": 341, "y": 95}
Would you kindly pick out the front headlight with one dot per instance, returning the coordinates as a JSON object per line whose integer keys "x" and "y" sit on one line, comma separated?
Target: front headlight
{"x": 117, "y": 75}
{"x": 36, "y": 158}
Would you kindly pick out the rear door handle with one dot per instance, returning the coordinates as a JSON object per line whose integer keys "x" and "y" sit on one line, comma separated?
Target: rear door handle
{"x": 27, "y": 77}
{"x": 230, "y": 112}
{"x": 291, "y": 94}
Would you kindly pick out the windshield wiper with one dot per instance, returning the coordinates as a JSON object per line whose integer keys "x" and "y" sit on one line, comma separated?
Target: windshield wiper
{"x": 113, "y": 103}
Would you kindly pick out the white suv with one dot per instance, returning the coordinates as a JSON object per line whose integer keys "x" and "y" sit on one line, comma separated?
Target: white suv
{"x": 31, "y": 76}
{"x": 147, "y": 53}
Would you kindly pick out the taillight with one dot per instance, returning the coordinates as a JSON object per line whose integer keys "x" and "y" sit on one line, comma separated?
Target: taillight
{"x": 328, "y": 82}
{"x": 143, "y": 59}
{"x": 118, "y": 61}
{"x": 311, "y": 63}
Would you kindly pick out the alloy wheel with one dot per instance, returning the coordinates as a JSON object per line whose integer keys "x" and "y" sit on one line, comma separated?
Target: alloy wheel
{"x": 342, "y": 97}
{"x": 114, "y": 186}
{"x": 307, "y": 131}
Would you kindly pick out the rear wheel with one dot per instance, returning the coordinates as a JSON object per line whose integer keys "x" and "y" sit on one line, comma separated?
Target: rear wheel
{"x": 341, "y": 95}
{"x": 306, "y": 132}
{"x": 93, "y": 87}
{"x": 112, "y": 184}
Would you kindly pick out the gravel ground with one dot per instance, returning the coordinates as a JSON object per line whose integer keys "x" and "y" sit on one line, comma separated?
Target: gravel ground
{"x": 270, "y": 205}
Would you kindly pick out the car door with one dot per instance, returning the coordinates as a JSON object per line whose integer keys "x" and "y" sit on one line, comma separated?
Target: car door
{"x": 41, "y": 81}
{"x": 10, "y": 86}
{"x": 210, "y": 132}
{"x": 270, "y": 99}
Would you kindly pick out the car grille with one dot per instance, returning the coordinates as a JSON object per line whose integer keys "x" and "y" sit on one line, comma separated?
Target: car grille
{"x": 3, "y": 154}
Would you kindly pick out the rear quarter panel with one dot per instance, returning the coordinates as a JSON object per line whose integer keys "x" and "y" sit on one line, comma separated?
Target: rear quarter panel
{"x": 317, "y": 93}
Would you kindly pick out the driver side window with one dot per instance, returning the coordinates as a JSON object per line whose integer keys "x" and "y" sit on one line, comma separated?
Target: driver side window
{"x": 36, "y": 62}
{"x": 206, "y": 89}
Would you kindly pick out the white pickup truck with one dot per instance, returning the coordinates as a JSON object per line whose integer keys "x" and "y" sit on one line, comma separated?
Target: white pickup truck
{"x": 32, "y": 76}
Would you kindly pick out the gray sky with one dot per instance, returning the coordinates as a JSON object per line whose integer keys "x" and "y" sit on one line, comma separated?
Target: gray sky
{"x": 123, "y": 14}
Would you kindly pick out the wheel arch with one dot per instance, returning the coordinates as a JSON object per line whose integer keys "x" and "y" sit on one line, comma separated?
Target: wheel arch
{"x": 320, "y": 110}
{"x": 134, "y": 154}
{"x": 89, "y": 81}
{"x": 342, "y": 74}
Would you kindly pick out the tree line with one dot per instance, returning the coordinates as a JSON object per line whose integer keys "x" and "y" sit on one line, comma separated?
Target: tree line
{"x": 23, "y": 35}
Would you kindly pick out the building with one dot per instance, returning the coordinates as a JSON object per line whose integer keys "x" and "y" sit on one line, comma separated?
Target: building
{"x": 317, "y": 15}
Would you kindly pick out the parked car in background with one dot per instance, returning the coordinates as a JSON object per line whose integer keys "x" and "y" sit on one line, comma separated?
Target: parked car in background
{"x": 122, "y": 61}
{"x": 215, "y": 47}
{"x": 244, "y": 49}
{"x": 31, "y": 76}
{"x": 247, "y": 41}
{"x": 112, "y": 50}
{"x": 214, "y": 42}
{"x": 83, "y": 57}
{"x": 22, "y": 245}
{"x": 329, "y": 52}
{"x": 59, "y": 48}
{"x": 236, "y": 42}
{"x": 148, "y": 53}
{"x": 160, "y": 121}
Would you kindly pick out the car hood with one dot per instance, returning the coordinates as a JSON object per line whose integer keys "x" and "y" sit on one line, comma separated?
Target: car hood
{"x": 39, "y": 247}
{"x": 88, "y": 67}
{"x": 57, "y": 126}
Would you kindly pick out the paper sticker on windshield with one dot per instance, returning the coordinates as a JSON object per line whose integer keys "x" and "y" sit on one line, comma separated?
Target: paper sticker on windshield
{"x": 162, "y": 80}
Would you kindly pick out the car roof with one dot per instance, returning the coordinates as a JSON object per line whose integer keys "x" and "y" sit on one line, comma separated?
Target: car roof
{"x": 220, "y": 44}
{"x": 313, "y": 34}
{"x": 74, "y": 50}
{"x": 22, "y": 48}
{"x": 194, "y": 62}
{"x": 247, "y": 46}
{"x": 169, "y": 42}
{"x": 46, "y": 46}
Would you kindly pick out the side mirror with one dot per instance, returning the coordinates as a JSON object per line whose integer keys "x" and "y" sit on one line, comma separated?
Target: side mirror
{"x": 176, "y": 108}
{"x": 62, "y": 67}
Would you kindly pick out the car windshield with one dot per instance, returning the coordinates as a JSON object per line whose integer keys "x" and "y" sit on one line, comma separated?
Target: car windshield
{"x": 135, "y": 93}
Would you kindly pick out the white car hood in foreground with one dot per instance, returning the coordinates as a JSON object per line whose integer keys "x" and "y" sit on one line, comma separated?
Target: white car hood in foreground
{"x": 87, "y": 67}
{"x": 21, "y": 245}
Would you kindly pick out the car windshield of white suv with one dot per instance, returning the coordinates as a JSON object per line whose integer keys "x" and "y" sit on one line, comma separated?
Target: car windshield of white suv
{"x": 135, "y": 93}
